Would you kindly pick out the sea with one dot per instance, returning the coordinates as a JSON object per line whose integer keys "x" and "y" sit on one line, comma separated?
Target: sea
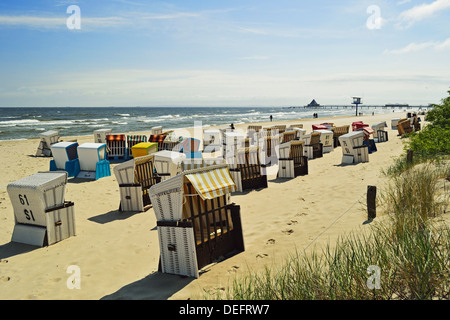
{"x": 30, "y": 122}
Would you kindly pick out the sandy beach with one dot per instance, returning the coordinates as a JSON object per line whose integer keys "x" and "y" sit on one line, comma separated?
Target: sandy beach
{"x": 118, "y": 253}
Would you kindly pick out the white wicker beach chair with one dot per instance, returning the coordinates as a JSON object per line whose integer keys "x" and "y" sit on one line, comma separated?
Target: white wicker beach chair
{"x": 246, "y": 169}
{"x": 135, "y": 177}
{"x": 156, "y": 130}
{"x": 65, "y": 157}
{"x": 326, "y": 138}
{"x": 292, "y": 162}
{"x": 100, "y": 135}
{"x": 168, "y": 163}
{"x": 93, "y": 163}
{"x": 47, "y": 139}
{"x": 196, "y": 221}
{"x": 380, "y": 135}
{"x": 353, "y": 148}
{"x": 42, "y": 216}
{"x": 313, "y": 148}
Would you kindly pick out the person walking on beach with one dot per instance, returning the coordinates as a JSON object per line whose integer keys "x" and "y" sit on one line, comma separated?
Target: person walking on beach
{"x": 271, "y": 118}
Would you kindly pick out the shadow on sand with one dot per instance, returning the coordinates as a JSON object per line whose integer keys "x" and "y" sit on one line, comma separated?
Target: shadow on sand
{"x": 15, "y": 248}
{"x": 156, "y": 286}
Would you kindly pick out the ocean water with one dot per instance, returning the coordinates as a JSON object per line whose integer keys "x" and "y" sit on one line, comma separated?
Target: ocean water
{"x": 28, "y": 123}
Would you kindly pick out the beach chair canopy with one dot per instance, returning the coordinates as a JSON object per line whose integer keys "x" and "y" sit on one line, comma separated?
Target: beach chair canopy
{"x": 316, "y": 127}
{"x": 209, "y": 182}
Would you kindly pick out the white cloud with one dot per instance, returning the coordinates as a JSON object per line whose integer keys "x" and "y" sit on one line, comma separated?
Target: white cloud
{"x": 254, "y": 58}
{"x": 414, "y": 47}
{"x": 33, "y": 21}
{"x": 423, "y": 11}
{"x": 57, "y": 22}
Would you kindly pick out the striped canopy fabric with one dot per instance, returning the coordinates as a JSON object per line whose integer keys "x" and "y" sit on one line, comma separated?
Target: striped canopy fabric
{"x": 212, "y": 183}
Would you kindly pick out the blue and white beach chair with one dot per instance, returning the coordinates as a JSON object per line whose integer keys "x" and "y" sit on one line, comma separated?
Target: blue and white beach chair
{"x": 65, "y": 157}
{"x": 93, "y": 163}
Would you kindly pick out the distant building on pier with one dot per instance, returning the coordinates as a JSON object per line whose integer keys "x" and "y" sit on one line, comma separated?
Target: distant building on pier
{"x": 313, "y": 104}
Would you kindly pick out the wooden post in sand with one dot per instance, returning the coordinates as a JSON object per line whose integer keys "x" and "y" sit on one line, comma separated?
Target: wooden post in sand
{"x": 371, "y": 205}
{"x": 409, "y": 157}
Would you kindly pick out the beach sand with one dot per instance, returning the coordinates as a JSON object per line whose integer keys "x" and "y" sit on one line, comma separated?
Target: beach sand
{"x": 118, "y": 253}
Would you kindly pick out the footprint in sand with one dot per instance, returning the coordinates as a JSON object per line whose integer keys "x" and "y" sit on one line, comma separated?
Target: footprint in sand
{"x": 5, "y": 279}
{"x": 270, "y": 241}
{"x": 292, "y": 222}
{"x": 261, "y": 255}
{"x": 288, "y": 231}
{"x": 233, "y": 269}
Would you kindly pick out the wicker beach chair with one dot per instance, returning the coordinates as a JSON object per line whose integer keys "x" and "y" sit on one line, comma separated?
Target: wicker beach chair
{"x": 337, "y": 132}
{"x": 404, "y": 126}
{"x": 212, "y": 141}
{"x": 133, "y": 140}
{"x": 93, "y": 162}
{"x": 326, "y": 138}
{"x": 268, "y": 144}
{"x": 292, "y": 162}
{"x": 42, "y": 216}
{"x": 144, "y": 149}
{"x": 168, "y": 163}
{"x": 100, "y": 135}
{"x": 296, "y": 125}
{"x": 190, "y": 147}
{"x": 158, "y": 138}
{"x": 135, "y": 177}
{"x": 65, "y": 158}
{"x": 353, "y": 148}
{"x": 116, "y": 147}
{"x": 46, "y": 140}
{"x": 196, "y": 221}
{"x": 288, "y": 136}
{"x": 246, "y": 169}
{"x": 313, "y": 148}
{"x": 156, "y": 130}
{"x": 416, "y": 123}
{"x": 380, "y": 135}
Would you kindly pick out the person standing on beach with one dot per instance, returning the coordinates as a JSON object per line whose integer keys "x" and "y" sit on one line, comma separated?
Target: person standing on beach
{"x": 271, "y": 118}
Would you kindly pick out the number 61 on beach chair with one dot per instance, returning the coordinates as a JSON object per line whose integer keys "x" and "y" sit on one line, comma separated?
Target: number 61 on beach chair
{"x": 42, "y": 216}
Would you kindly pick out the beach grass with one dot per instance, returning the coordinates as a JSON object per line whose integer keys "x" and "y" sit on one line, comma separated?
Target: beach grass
{"x": 410, "y": 251}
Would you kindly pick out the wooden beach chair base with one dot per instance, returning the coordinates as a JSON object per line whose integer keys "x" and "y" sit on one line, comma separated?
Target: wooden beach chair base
{"x": 185, "y": 250}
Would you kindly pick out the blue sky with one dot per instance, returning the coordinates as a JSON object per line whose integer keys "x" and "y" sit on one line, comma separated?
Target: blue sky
{"x": 223, "y": 53}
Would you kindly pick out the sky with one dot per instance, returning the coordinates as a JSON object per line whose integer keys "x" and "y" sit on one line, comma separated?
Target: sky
{"x": 57, "y": 53}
